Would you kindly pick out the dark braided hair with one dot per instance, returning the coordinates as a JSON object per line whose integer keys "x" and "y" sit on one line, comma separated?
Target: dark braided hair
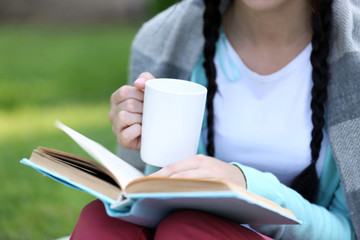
{"x": 306, "y": 183}
{"x": 212, "y": 21}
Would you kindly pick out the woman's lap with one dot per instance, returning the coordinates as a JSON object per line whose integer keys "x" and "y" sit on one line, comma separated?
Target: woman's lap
{"x": 94, "y": 223}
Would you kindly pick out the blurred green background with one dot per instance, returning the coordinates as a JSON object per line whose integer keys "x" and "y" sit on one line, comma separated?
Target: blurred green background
{"x": 55, "y": 69}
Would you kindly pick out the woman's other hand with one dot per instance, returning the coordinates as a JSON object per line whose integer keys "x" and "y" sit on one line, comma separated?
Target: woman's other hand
{"x": 203, "y": 167}
{"x": 126, "y": 112}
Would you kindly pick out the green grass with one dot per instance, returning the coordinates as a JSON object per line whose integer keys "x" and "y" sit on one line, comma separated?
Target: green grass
{"x": 49, "y": 73}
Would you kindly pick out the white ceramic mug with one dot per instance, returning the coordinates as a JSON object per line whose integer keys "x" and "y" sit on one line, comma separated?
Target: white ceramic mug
{"x": 172, "y": 119}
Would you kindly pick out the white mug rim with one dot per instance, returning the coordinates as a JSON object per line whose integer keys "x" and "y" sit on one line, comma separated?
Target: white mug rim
{"x": 200, "y": 88}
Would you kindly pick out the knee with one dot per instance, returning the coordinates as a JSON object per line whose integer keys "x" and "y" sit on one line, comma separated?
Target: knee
{"x": 94, "y": 207}
{"x": 86, "y": 220}
{"x": 93, "y": 210}
{"x": 94, "y": 223}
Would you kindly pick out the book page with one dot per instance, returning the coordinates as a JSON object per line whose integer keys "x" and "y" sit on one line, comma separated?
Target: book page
{"x": 81, "y": 163}
{"x": 122, "y": 171}
{"x": 75, "y": 177}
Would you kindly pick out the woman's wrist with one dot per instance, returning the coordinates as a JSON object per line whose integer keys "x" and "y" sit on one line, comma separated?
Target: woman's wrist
{"x": 241, "y": 176}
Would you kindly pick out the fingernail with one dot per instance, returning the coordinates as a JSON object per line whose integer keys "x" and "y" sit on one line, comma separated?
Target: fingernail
{"x": 140, "y": 80}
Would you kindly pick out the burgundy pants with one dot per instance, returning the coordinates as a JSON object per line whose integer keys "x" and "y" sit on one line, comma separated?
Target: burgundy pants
{"x": 94, "y": 223}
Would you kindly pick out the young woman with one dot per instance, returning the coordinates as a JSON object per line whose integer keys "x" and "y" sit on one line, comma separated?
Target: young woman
{"x": 283, "y": 115}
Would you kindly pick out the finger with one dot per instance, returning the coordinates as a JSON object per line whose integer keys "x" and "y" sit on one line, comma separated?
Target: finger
{"x": 143, "y": 77}
{"x": 201, "y": 173}
{"x": 128, "y": 135}
{"x": 125, "y": 119}
{"x": 124, "y": 93}
{"x": 181, "y": 166}
{"x": 130, "y": 105}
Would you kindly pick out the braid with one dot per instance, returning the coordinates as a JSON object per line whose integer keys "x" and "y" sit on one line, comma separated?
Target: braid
{"x": 306, "y": 183}
{"x": 212, "y": 21}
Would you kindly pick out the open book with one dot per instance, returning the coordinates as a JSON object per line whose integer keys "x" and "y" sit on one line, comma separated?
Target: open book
{"x": 131, "y": 196}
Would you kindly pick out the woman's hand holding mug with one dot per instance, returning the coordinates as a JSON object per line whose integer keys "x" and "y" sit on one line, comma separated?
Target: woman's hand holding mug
{"x": 126, "y": 112}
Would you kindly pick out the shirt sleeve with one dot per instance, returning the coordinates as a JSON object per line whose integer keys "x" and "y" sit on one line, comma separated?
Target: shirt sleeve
{"x": 330, "y": 222}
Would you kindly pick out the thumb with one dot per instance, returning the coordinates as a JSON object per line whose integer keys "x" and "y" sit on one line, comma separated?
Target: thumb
{"x": 143, "y": 77}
